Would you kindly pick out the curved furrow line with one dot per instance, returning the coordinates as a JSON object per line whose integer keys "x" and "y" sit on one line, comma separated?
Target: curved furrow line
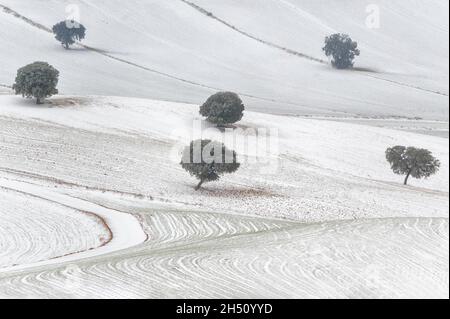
{"x": 169, "y": 223}
{"x": 270, "y": 264}
{"x": 198, "y": 84}
{"x": 52, "y": 180}
{"x": 124, "y": 230}
{"x": 173, "y": 228}
{"x": 405, "y": 84}
{"x": 297, "y": 53}
{"x": 16, "y": 14}
{"x": 201, "y": 254}
{"x": 153, "y": 70}
{"x": 294, "y": 7}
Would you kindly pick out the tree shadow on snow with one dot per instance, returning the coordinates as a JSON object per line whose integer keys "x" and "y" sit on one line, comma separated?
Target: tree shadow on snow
{"x": 67, "y": 102}
{"x": 55, "y": 102}
{"x": 237, "y": 192}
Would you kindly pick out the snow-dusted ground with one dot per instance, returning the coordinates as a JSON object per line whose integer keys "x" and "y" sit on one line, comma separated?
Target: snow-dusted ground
{"x": 269, "y": 52}
{"x": 34, "y": 229}
{"x": 107, "y": 231}
{"x": 331, "y": 221}
{"x": 94, "y": 203}
{"x": 434, "y": 128}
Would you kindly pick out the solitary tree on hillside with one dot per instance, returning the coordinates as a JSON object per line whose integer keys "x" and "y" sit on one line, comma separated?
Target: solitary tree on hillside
{"x": 342, "y": 49}
{"x": 223, "y": 108}
{"x": 207, "y": 160}
{"x": 68, "y": 32}
{"x": 411, "y": 161}
{"x": 38, "y": 80}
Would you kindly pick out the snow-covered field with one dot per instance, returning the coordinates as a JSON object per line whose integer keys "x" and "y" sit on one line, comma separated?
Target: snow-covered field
{"x": 94, "y": 203}
{"x": 179, "y": 53}
{"x": 107, "y": 156}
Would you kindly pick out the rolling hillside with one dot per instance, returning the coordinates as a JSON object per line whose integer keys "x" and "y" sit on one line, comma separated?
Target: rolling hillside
{"x": 330, "y": 221}
{"x": 268, "y": 51}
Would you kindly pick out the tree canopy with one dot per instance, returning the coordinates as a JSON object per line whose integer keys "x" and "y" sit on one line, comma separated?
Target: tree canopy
{"x": 223, "y": 108}
{"x": 412, "y": 162}
{"x": 208, "y": 160}
{"x": 68, "y": 32}
{"x": 38, "y": 80}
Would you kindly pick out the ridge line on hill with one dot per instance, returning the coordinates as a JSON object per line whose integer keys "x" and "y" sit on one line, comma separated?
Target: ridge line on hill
{"x": 25, "y": 19}
{"x": 118, "y": 239}
{"x": 248, "y": 35}
{"x": 56, "y": 259}
{"x": 211, "y": 15}
{"x": 406, "y": 85}
{"x": 42, "y": 27}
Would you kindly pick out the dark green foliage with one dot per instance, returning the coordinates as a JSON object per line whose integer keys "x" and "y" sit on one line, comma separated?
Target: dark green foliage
{"x": 342, "y": 49}
{"x": 411, "y": 161}
{"x": 67, "y": 32}
{"x": 223, "y": 108}
{"x": 38, "y": 80}
{"x": 207, "y": 160}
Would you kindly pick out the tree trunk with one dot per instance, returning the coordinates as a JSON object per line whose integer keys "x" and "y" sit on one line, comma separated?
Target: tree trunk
{"x": 38, "y": 101}
{"x": 66, "y": 46}
{"x": 199, "y": 185}
{"x": 407, "y": 177}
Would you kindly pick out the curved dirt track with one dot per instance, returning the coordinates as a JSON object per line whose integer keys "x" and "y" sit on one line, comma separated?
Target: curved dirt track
{"x": 36, "y": 234}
